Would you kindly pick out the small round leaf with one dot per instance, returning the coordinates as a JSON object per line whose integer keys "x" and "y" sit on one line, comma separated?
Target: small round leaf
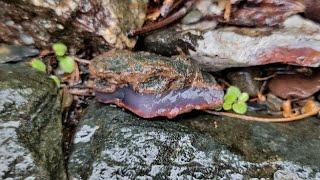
{"x": 240, "y": 107}
{"x": 234, "y": 91}
{"x": 227, "y": 106}
{"x": 230, "y": 98}
{"x": 60, "y": 49}
{"x": 56, "y": 80}
{"x": 38, "y": 65}
{"x": 243, "y": 97}
{"x": 66, "y": 63}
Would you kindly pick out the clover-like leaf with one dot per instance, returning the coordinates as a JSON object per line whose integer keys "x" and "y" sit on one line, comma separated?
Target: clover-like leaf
{"x": 240, "y": 107}
{"x": 243, "y": 97}
{"x": 38, "y": 65}
{"x": 230, "y": 98}
{"x": 66, "y": 63}
{"x": 56, "y": 80}
{"x": 227, "y": 106}
{"x": 233, "y": 90}
{"x": 59, "y": 48}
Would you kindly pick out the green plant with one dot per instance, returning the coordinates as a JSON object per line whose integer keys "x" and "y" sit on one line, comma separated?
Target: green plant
{"x": 60, "y": 49}
{"x": 66, "y": 63}
{"x": 38, "y": 65}
{"x": 236, "y": 100}
{"x": 56, "y": 80}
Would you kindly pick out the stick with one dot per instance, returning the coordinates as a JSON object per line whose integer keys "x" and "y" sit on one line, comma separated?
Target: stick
{"x": 179, "y": 14}
{"x": 261, "y": 119}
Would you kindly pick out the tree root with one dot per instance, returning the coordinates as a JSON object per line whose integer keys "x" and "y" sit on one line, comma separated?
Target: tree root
{"x": 151, "y": 27}
{"x": 261, "y": 119}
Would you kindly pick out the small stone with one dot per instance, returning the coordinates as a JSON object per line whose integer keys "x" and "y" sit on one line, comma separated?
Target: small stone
{"x": 192, "y": 17}
{"x": 274, "y": 103}
{"x": 244, "y": 79}
{"x": 295, "y": 85}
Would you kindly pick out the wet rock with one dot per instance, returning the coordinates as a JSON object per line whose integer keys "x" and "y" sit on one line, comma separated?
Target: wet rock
{"x": 168, "y": 42}
{"x": 30, "y": 125}
{"x": 111, "y": 143}
{"x": 251, "y": 13}
{"x": 295, "y": 86}
{"x": 274, "y": 103}
{"x": 244, "y": 79}
{"x": 312, "y": 10}
{"x": 13, "y": 53}
{"x": 192, "y": 17}
{"x": 151, "y": 85}
{"x": 296, "y": 43}
{"x": 265, "y": 12}
{"x": 79, "y": 24}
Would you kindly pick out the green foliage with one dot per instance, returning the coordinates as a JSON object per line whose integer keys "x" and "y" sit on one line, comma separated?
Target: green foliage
{"x": 38, "y": 65}
{"x": 227, "y": 106}
{"x": 235, "y": 100}
{"x": 243, "y": 97}
{"x": 240, "y": 107}
{"x": 60, "y": 49}
{"x": 56, "y": 80}
{"x": 234, "y": 91}
{"x": 66, "y": 63}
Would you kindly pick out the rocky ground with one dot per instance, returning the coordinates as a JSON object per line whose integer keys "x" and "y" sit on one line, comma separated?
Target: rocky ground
{"x": 111, "y": 143}
{"x": 43, "y": 138}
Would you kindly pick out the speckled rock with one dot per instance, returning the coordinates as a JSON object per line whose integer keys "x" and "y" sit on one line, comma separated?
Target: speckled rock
{"x": 30, "y": 125}
{"x": 296, "y": 42}
{"x": 113, "y": 144}
{"x": 13, "y": 53}
{"x": 80, "y": 24}
{"x": 245, "y": 80}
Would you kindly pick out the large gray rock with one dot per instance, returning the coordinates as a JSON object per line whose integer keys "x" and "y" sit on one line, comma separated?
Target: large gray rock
{"x": 80, "y": 24}
{"x": 30, "y": 125}
{"x": 113, "y": 144}
{"x": 296, "y": 43}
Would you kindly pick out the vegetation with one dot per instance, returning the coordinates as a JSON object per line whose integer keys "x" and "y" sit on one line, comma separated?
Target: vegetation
{"x": 235, "y": 100}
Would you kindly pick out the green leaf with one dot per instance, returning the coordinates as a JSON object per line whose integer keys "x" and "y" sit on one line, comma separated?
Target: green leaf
{"x": 66, "y": 63}
{"x": 38, "y": 65}
{"x": 230, "y": 98}
{"x": 243, "y": 97}
{"x": 60, "y": 49}
{"x": 227, "y": 106}
{"x": 233, "y": 90}
{"x": 240, "y": 107}
{"x": 56, "y": 80}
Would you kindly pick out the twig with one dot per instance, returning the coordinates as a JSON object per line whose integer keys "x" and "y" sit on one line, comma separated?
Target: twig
{"x": 261, "y": 119}
{"x": 148, "y": 28}
{"x": 80, "y": 92}
{"x": 265, "y": 78}
{"x": 168, "y": 6}
{"x": 83, "y": 61}
{"x": 227, "y": 11}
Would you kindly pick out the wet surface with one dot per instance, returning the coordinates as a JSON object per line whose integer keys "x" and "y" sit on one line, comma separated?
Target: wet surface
{"x": 296, "y": 43}
{"x": 121, "y": 145}
{"x": 151, "y": 85}
{"x": 30, "y": 125}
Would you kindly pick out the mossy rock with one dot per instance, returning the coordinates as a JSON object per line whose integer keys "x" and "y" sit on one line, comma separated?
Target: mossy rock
{"x": 30, "y": 125}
